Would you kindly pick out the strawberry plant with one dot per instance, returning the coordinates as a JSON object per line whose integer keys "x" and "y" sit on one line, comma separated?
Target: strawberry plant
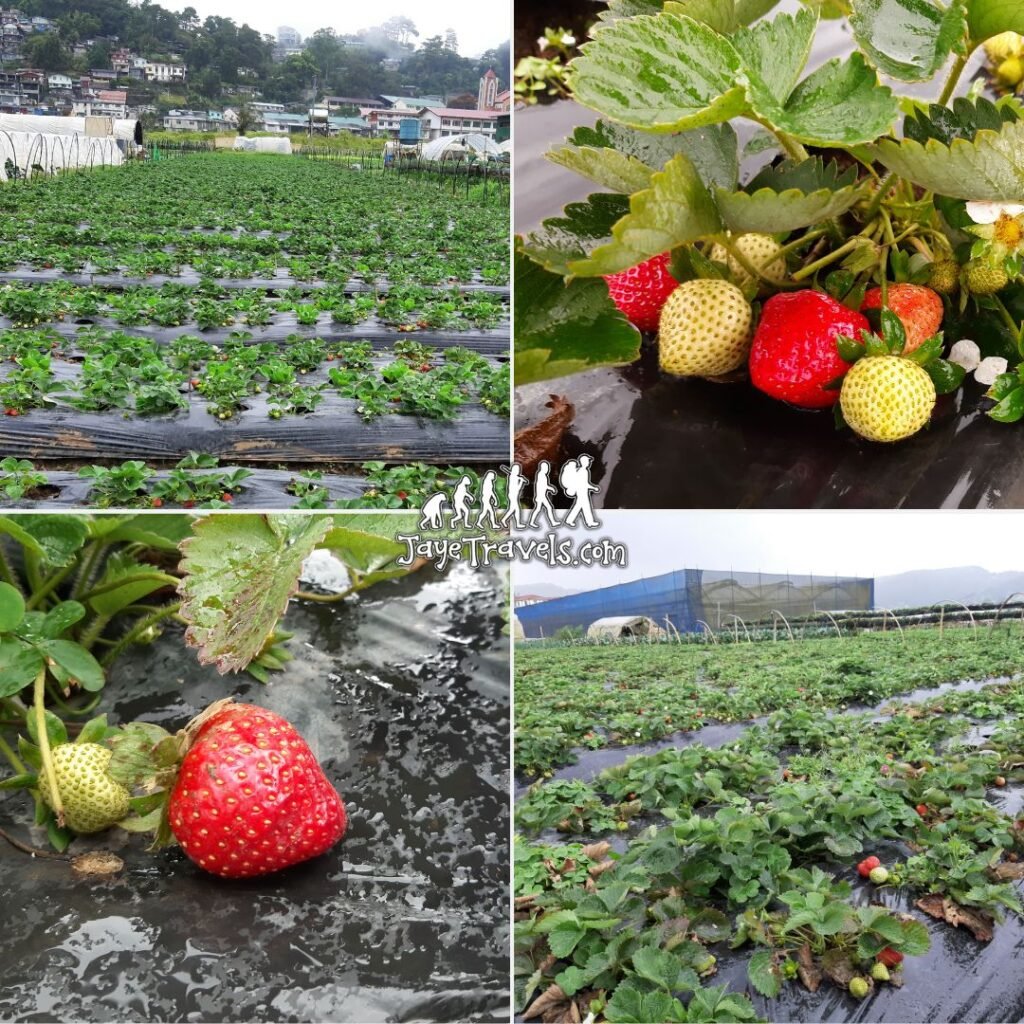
{"x": 757, "y": 182}
{"x": 76, "y": 592}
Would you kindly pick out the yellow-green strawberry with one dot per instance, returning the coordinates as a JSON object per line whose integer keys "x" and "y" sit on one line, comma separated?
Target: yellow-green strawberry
{"x": 705, "y": 329}
{"x": 887, "y": 397}
{"x": 762, "y": 251}
{"x": 945, "y": 276}
{"x": 983, "y": 277}
{"x": 92, "y": 799}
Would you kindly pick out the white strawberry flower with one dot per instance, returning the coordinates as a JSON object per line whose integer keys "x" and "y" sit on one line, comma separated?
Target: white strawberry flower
{"x": 989, "y": 368}
{"x": 965, "y": 353}
{"x": 986, "y": 211}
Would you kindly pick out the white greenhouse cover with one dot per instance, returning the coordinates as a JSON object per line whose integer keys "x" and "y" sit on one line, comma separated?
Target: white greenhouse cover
{"x": 506, "y": 146}
{"x": 479, "y": 144}
{"x": 43, "y": 125}
{"x": 55, "y": 152}
{"x": 263, "y": 144}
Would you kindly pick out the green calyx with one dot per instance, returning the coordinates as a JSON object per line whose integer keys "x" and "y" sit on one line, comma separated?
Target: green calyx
{"x": 892, "y": 341}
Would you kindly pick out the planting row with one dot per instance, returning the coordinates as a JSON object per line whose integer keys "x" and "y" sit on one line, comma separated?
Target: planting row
{"x": 100, "y": 370}
{"x": 818, "y": 852}
{"x": 592, "y": 697}
{"x": 199, "y": 481}
{"x": 231, "y": 216}
{"x": 208, "y": 307}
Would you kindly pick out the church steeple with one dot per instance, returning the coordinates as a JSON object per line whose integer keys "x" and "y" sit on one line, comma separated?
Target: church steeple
{"x": 487, "y": 95}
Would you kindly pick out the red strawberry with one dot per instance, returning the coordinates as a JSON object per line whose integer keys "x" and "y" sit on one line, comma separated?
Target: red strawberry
{"x": 919, "y": 309}
{"x": 890, "y": 957}
{"x": 641, "y": 291}
{"x": 250, "y": 797}
{"x": 794, "y": 353}
{"x": 865, "y": 866}
{"x": 922, "y": 809}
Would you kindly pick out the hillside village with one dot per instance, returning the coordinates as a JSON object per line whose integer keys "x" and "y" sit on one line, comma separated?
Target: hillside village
{"x": 146, "y": 86}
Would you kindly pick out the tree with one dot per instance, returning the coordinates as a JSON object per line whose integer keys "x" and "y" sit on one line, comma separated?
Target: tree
{"x": 326, "y": 51}
{"x": 247, "y": 120}
{"x": 451, "y": 40}
{"x": 98, "y": 55}
{"x": 45, "y": 51}
{"x": 291, "y": 78}
{"x": 77, "y": 25}
{"x": 400, "y": 29}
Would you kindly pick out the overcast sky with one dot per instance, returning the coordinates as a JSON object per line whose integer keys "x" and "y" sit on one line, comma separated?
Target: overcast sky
{"x": 829, "y": 543}
{"x": 478, "y": 26}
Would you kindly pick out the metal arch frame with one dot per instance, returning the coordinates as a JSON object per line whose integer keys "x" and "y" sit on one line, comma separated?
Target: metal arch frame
{"x": 710, "y": 632}
{"x": 889, "y": 611}
{"x": 942, "y": 605}
{"x": 776, "y": 615}
{"x": 743, "y": 624}
{"x": 1003, "y": 604}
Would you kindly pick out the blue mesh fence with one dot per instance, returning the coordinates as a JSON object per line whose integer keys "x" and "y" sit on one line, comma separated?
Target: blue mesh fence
{"x": 687, "y": 597}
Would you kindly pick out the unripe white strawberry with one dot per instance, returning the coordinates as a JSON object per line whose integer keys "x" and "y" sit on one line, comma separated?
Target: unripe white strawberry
{"x": 762, "y": 251}
{"x": 705, "y": 329}
{"x": 886, "y": 398}
{"x": 92, "y": 799}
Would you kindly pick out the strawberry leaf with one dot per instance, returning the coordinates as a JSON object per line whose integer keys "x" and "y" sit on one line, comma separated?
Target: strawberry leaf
{"x": 849, "y": 350}
{"x": 72, "y": 664}
{"x": 56, "y": 731}
{"x": 562, "y": 328}
{"x": 1010, "y": 407}
{"x": 927, "y": 351}
{"x": 608, "y": 167}
{"x": 12, "y": 607}
{"x": 908, "y": 39}
{"x": 987, "y": 18}
{"x": 763, "y": 974}
{"x": 676, "y": 209}
{"x": 94, "y": 731}
{"x": 893, "y": 332}
{"x": 28, "y": 780}
{"x": 990, "y": 166}
{"x": 946, "y": 376}
{"x": 241, "y": 571}
{"x": 661, "y": 73}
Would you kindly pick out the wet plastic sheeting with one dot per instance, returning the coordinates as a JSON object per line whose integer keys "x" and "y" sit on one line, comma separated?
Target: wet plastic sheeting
{"x": 403, "y": 697}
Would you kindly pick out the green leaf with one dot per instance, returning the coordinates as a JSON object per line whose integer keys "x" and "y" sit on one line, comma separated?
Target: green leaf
{"x": 162, "y": 532}
{"x": 719, "y": 15}
{"x": 773, "y": 55}
{"x": 121, "y": 566}
{"x": 1009, "y": 410}
{"x": 59, "y": 537}
{"x": 241, "y": 571}
{"x": 893, "y": 331}
{"x": 19, "y": 665}
{"x": 72, "y": 663}
{"x": 763, "y": 974}
{"x": 987, "y": 18}
{"x": 12, "y": 607}
{"x": 61, "y": 618}
{"x": 562, "y": 240}
{"x": 366, "y": 544}
{"x": 657, "y": 965}
{"x": 143, "y": 823}
{"x": 563, "y": 328}
{"x": 712, "y": 149}
{"x": 927, "y": 351}
{"x": 916, "y": 940}
{"x": 789, "y": 196}
{"x": 908, "y": 39}
{"x": 607, "y": 167}
{"x": 55, "y": 729}
{"x": 60, "y": 838}
{"x": 991, "y": 166}
{"x": 674, "y": 210}
{"x": 30, "y": 754}
{"x": 662, "y": 73}
{"x": 840, "y": 104}
{"x": 946, "y": 376}
{"x": 564, "y": 939}
{"x": 139, "y": 753}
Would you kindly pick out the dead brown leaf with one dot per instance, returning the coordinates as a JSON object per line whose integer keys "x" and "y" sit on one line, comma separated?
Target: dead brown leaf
{"x": 1007, "y": 872}
{"x": 596, "y": 851}
{"x": 541, "y": 441}
{"x": 553, "y": 997}
{"x": 977, "y": 922}
{"x": 807, "y": 969}
{"x": 838, "y": 966}
{"x": 98, "y": 862}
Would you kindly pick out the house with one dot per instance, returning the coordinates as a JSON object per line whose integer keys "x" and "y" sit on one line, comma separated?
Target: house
{"x": 443, "y": 122}
{"x": 164, "y": 71}
{"x": 59, "y": 83}
{"x": 103, "y": 75}
{"x": 20, "y": 89}
{"x": 503, "y": 101}
{"x": 192, "y": 121}
{"x": 338, "y": 102}
{"x": 355, "y": 125}
{"x": 107, "y": 103}
{"x": 410, "y": 102}
{"x": 41, "y": 24}
{"x": 283, "y": 123}
{"x": 267, "y": 108}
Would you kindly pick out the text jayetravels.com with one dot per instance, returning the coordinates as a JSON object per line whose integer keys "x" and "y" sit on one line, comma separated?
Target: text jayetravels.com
{"x": 483, "y": 550}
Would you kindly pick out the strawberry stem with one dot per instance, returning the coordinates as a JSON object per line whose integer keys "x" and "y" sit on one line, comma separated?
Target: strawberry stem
{"x": 137, "y": 630}
{"x": 954, "y": 76}
{"x": 49, "y": 586}
{"x": 828, "y": 258}
{"x": 44, "y": 745}
{"x": 122, "y": 581}
{"x": 744, "y": 261}
{"x": 873, "y": 207}
{"x": 12, "y": 758}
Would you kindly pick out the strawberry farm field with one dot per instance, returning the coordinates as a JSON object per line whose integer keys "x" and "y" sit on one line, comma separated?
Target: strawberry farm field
{"x": 779, "y": 831}
{"x": 262, "y": 312}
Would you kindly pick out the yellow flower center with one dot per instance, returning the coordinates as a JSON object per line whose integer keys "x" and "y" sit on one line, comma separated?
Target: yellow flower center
{"x": 1008, "y": 231}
